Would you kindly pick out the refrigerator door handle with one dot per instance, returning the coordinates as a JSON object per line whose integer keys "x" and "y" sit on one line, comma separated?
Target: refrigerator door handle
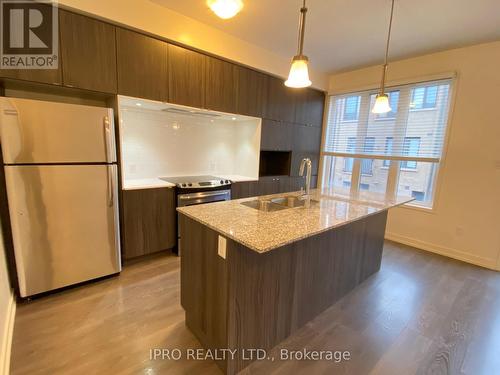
{"x": 107, "y": 138}
{"x": 111, "y": 187}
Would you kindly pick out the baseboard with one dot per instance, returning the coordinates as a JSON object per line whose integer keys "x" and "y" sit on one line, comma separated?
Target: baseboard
{"x": 6, "y": 344}
{"x": 445, "y": 251}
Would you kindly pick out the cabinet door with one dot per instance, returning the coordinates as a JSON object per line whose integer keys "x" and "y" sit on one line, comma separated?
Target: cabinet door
{"x": 142, "y": 65}
{"x": 281, "y": 101}
{"x": 276, "y": 136}
{"x": 88, "y": 52}
{"x": 221, "y": 87}
{"x": 306, "y": 138}
{"x": 315, "y": 107}
{"x": 148, "y": 221}
{"x": 186, "y": 77}
{"x": 239, "y": 190}
{"x": 252, "y": 92}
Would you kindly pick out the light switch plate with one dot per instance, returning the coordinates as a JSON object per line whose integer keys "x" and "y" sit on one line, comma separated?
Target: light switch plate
{"x": 222, "y": 247}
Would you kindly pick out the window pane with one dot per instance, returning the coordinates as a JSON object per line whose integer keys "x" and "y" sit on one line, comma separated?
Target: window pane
{"x": 351, "y": 108}
{"x": 418, "y": 183}
{"x": 376, "y": 181}
{"x": 411, "y": 147}
{"x": 430, "y": 96}
{"x": 366, "y": 164}
{"x": 334, "y": 174}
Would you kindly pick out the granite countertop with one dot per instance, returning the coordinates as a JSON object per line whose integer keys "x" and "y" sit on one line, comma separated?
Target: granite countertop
{"x": 265, "y": 231}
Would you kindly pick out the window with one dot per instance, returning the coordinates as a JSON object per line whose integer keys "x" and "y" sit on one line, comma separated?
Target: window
{"x": 366, "y": 164}
{"x": 411, "y": 146}
{"x": 388, "y": 150}
{"x": 351, "y": 108}
{"x": 418, "y": 195}
{"x": 424, "y": 97}
{"x": 370, "y": 147}
{"x": 349, "y": 162}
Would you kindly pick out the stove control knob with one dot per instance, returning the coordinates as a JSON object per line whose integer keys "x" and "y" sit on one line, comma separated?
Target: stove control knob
{"x": 190, "y": 184}
{"x": 227, "y": 181}
{"x": 221, "y": 181}
{"x": 183, "y": 185}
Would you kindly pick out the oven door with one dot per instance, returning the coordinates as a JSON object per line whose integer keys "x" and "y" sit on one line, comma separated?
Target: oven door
{"x": 203, "y": 197}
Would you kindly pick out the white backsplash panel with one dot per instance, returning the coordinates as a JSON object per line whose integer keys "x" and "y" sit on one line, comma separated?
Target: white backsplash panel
{"x": 156, "y": 142}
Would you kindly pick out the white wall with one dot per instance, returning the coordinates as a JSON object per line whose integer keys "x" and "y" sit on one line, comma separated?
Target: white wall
{"x": 156, "y": 143}
{"x": 158, "y": 20}
{"x": 466, "y": 221}
{"x": 7, "y": 310}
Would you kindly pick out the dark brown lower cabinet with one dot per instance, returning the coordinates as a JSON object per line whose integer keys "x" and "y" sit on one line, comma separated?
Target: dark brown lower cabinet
{"x": 148, "y": 221}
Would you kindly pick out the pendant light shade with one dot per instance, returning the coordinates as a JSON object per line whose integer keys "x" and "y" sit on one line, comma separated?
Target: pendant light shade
{"x": 382, "y": 101}
{"x": 299, "y": 72}
{"x": 225, "y": 8}
{"x": 381, "y": 104}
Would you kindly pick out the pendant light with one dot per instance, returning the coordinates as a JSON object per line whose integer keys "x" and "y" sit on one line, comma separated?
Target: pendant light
{"x": 382, "y": 100}
{"x": 299, "y": 74}
{"x": 225, "y": 8}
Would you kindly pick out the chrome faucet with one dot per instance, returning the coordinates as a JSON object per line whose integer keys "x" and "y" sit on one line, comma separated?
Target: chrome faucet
{"x": 303, "y": 163}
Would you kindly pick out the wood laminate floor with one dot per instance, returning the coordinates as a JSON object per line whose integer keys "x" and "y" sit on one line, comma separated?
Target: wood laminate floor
{"x": 421, "y": 314}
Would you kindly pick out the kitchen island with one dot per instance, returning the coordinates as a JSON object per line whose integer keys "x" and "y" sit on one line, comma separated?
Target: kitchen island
{"x": 255, "y": 270}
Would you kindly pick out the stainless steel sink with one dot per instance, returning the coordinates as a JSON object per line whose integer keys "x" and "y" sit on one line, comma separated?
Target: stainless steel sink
{"x": 294, "y": 201}
{"x": 264, "y": 205}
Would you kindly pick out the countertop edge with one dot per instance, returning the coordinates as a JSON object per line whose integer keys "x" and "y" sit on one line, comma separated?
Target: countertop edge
{"x": 270, "y": 248}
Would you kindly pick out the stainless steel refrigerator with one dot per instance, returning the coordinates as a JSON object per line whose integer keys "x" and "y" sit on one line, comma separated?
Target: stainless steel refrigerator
{"x": 61, "y": 176}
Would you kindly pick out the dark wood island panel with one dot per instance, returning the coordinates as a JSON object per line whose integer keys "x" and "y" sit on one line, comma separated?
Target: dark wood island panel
{"x": 251, "y": 300}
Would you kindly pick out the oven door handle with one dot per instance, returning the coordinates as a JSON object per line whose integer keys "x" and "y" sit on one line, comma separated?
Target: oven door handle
{"x": 186, "y": 197}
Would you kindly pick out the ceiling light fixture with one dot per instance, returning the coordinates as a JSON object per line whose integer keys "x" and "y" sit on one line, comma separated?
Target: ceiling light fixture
{"x": 382, "y": 100}
{"x": 299, "y": 74}
{"x": 225, "y": 8}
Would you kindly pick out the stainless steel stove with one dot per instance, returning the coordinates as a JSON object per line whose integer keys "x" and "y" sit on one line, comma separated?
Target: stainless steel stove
{"x": 191, "y": 190}
{"x": 197, "y": 182}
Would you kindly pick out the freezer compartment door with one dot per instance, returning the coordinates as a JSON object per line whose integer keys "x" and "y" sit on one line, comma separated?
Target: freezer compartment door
{"x": 64, "y": 224}
{"x": 34, "y": 131}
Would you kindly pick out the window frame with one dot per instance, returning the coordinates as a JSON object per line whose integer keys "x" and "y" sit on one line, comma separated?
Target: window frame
{"x": 392, "y": 179}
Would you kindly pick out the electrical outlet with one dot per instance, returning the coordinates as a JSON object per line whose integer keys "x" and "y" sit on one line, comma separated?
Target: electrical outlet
{"x": 222, "y": 247}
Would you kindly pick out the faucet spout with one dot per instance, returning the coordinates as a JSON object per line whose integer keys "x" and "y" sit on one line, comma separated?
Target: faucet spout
{"x": 306, "y": 162}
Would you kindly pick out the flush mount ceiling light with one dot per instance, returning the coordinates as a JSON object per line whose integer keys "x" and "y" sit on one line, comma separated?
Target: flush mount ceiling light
{"x": 225, "y": 8}
{"x": 382, "y": 100}
{"x": 299, "y": 73}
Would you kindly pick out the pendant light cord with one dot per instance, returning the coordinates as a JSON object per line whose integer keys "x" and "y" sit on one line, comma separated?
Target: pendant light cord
{"x": 302, "y": 26}
{"x": 384, "y": 68}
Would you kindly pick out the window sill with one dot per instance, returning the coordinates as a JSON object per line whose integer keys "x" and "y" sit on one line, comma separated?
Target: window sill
{"x": 415, "y": 207}
{"x": 384, "y": 118}
{"x": 422, "y": 109}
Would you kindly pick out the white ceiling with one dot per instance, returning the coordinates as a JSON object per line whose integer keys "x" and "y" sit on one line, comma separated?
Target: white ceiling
{"x": 347, "y": 34}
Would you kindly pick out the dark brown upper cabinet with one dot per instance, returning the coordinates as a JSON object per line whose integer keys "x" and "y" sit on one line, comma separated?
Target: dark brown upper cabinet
{"x": 252, "y": 92}
{"x": 276, "y": 135}
{"x": 315, "y": 107}
{"x": 88, "y": 53}
{"x": 142, "y": 65}
{"x": 51, "y": 76}
{"x": 221, "y": 86}
{"x": 309, "y": 107}
{"x": 186, "y": 77}
{"x": 306, "y": 138}
{"x": 281, "y": 101}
